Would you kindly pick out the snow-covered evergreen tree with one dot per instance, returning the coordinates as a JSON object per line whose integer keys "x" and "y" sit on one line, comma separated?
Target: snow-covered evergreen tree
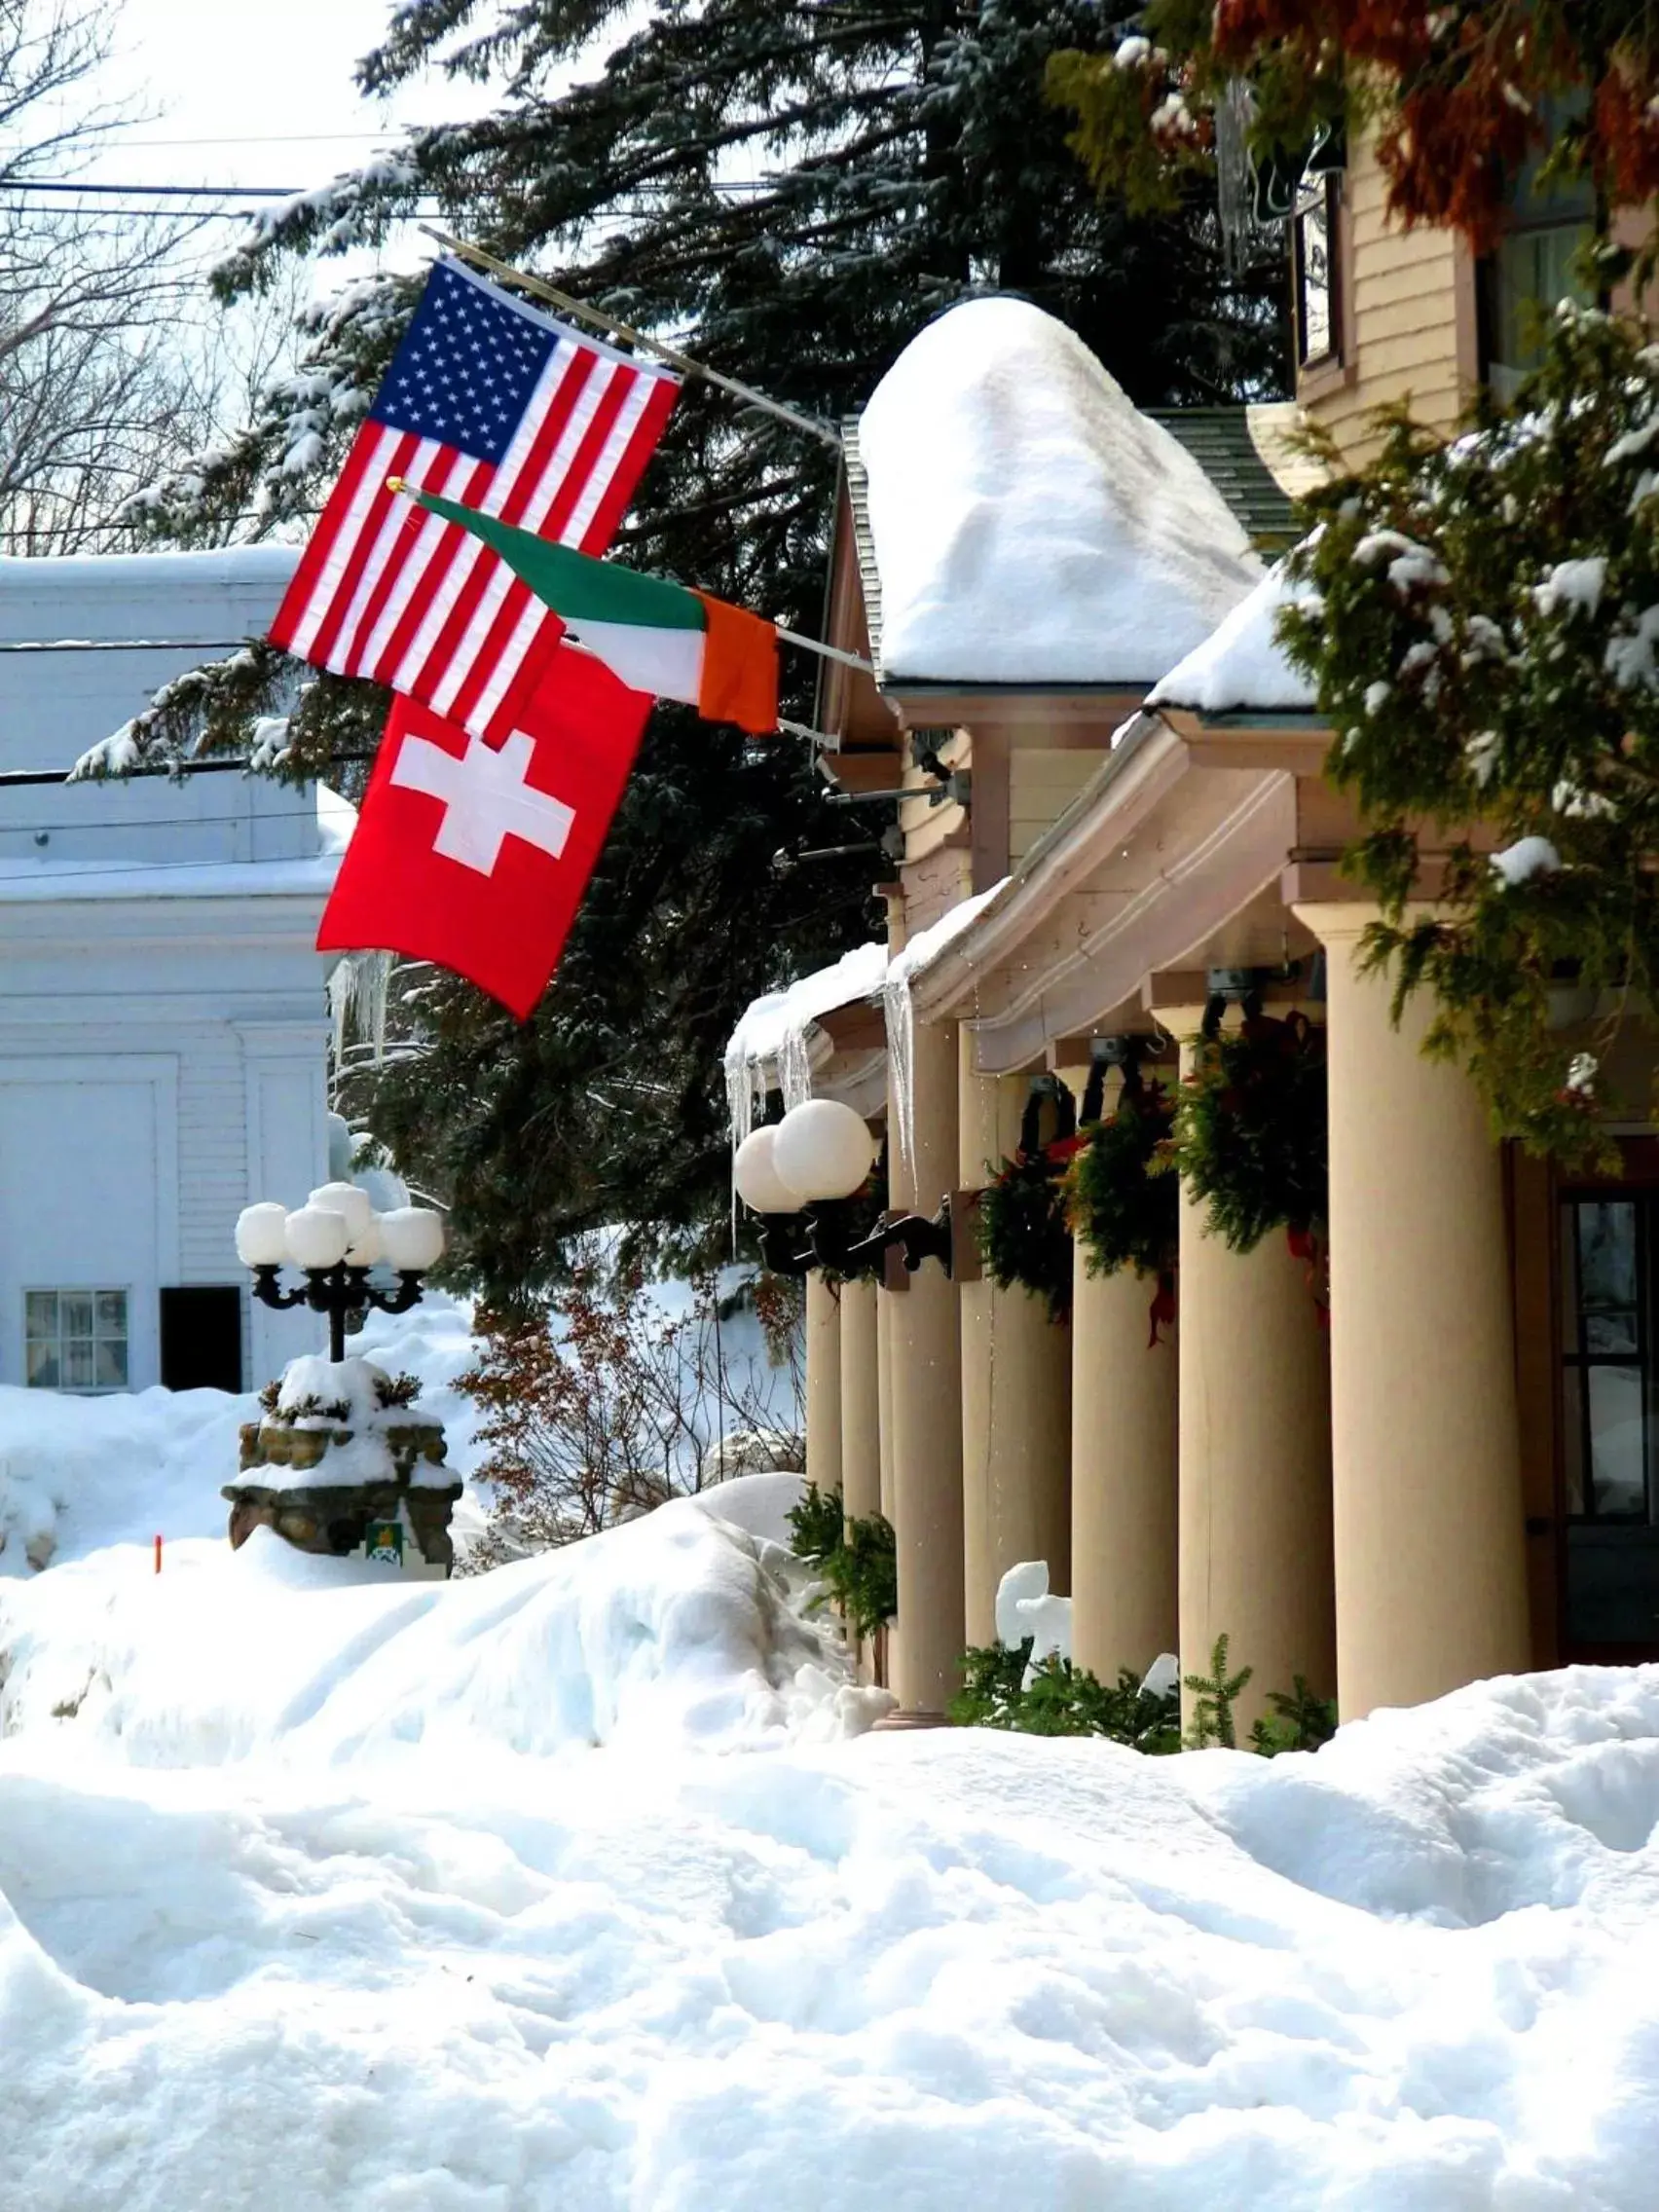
{"x": 792, "y": 188}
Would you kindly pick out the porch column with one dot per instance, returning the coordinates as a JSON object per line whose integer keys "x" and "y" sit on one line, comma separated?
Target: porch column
{"x": 861, "y": 1408}
{"x": 1124, "y": 1479}
{"x": 884, "y": 1394}
{"x": 924, "y": 1661}
{"x": 1016, "y": 1388}
{"x": 1430, "y": 1546}
{"x": 823, "y": 1383}
{"x": 1255, "y": 1458}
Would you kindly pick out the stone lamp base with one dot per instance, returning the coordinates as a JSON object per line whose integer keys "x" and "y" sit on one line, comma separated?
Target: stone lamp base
{"x": 386, "y": 1494}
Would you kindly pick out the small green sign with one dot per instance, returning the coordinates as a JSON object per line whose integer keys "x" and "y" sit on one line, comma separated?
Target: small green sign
{"x": 383, "y": 1540}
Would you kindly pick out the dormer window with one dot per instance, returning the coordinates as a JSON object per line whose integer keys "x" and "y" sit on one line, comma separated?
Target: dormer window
{"x": 1315, "y": 269}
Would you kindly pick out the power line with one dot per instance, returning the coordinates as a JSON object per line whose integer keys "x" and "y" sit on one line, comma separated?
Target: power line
{"x": 13, "y": 779}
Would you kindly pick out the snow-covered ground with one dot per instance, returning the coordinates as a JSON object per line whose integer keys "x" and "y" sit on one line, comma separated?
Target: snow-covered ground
{"x": 584, "y": 1885}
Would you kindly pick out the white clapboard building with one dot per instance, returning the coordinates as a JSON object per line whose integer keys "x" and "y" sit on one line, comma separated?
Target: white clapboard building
{"x": 163, "y": 1014}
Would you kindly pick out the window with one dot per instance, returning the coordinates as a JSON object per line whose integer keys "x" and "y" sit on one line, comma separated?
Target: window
{"x": 1536, "y": 266}
{"x": 1611, "y": 1496}
{"x": 1313, "y": 252}
{"x": 75, "y": 1340}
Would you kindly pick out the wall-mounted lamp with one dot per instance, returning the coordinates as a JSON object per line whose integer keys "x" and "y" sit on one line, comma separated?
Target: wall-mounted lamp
{"x": 798, "y": 1175}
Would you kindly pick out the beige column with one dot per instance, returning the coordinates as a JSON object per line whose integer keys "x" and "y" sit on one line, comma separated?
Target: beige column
{"x": 860, "y": 1403}
{"x": 1255, "y": 1458}
{"x": 924, "y": 1655}
{"x": 823, "y": 1383}
{"x": 884, "y": 1385}
{"x": 1124, "y": 1477}
{"x": 1430, "y": 1565}
{"x": 1015, "y": 1389}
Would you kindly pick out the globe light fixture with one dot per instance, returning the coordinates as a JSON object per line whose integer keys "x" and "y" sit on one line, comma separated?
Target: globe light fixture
{"x": 346, "y": 1198}
{"x": 754, "y": 1174}
{"x": 412, "y": 1238}
{"x": 798, "y": 1175}
{"x": 822, "y": 1150}
{"x": 262, "y": 1235}
{"x": 317, "y": 1236}
{"x": 336, "y": 1238}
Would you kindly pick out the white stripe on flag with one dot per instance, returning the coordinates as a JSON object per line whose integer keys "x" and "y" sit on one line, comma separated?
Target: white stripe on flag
{"x": 370, "y": 569}
{"x": 611, "y": 459}
{"x": 342, "y": 549}
{"x": 503, "y": 580}
{"x": 420, "y": 543}
{"x": 467, "y": 550}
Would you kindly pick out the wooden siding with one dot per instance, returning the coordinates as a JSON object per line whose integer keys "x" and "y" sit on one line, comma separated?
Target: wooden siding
{"x": 1042, "y": 783}
{"x": 1408, "y": 321}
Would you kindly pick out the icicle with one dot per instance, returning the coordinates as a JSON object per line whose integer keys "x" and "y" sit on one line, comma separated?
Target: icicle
{"x": 378, "y": 984}
{"x": 1235, "y": 112}
{"x": 794, "y": 1065}
{"x": 901, "y": 1022}
{"x": 340, "y": 987}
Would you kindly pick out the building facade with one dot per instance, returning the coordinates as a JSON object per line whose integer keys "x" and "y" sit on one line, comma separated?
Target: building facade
{"x": 1448, "y": 1472}
{"x": 162, "y": 1020}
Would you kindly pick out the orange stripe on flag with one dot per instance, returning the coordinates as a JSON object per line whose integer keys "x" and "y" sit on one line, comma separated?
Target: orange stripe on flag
{"x": 740, "y": 669}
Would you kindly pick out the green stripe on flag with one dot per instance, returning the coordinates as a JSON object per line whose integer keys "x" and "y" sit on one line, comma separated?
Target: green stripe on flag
{"x": 574, "y": 585}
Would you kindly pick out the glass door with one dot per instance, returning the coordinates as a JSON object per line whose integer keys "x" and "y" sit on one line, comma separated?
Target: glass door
{"x": 1612, "y": 1560}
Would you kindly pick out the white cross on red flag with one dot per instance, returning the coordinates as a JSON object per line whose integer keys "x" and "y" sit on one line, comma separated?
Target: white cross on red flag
{"x": 476, "y": 856}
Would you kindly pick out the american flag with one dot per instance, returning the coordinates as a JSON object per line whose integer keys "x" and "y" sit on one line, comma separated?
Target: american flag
{"x": 491, "y": 403}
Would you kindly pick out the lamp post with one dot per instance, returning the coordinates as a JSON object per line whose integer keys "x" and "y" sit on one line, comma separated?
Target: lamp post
{"x": 796, "y": 1175}
{"x": 336, "y": 1238}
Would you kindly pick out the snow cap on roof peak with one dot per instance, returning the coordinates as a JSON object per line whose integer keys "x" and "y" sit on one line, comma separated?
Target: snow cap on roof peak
{"x": 1030, "y": 524}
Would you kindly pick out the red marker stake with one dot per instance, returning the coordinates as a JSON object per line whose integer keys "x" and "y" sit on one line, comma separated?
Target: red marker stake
{"x": 158, "y": 1553}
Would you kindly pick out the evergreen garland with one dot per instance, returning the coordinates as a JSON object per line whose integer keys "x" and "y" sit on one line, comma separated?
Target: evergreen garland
{"x": 1121, "y": 1212}
{"x": 1020, "y": 1221}
{"x": 1251, "y": 1130}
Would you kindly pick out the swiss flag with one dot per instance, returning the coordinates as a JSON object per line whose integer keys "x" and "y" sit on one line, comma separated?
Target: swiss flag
{"x": 476, "y": 857}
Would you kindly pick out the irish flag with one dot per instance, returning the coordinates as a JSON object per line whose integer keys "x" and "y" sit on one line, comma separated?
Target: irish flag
{"x": 656, "y": 636}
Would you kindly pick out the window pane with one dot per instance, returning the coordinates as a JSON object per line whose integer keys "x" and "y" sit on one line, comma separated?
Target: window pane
{"x": 41, "y": 1367}
{"x": 75, "y": 1313}
{"x": 112, "y": 1314}
{"x": 110, "y": 1365}
{"x": 1314, "y": 271}
{"x": 1606, "y": 1253}
{"x": 77, "y": 1364}
{"x": 40, "y": 1314}
{"x": 1572, "y": 1439}
{"x": 1617, "y": 1441}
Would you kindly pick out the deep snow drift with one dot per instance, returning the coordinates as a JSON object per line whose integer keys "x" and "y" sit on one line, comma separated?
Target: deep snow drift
{"x": 578, "y": 1887}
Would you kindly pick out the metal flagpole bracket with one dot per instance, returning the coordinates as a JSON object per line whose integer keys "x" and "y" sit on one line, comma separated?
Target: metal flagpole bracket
{"x": 825, "y": 433}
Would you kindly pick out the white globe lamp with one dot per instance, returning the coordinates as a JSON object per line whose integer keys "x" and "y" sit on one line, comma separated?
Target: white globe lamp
{"x": 364, "y": 1250}
{"x": 262, "y": 1235}
{"x": 755, "y": 1173}
{"x": 316, "y": 1237}
{"x": 412, "y": 1238}
{"x": 822, "y": 1150}
{"x": 346, "y": 1198}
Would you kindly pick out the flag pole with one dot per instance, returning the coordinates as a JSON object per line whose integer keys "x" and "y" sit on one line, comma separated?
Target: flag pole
{"x": 825, "y": 433}
{"x": 406, "y": 489}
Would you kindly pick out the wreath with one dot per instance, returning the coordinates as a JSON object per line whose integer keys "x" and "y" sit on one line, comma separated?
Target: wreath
{"x": 1121, "y": 1209}
{"x": 1251, "y": 1130}
{"x": 1020, "y": 1221}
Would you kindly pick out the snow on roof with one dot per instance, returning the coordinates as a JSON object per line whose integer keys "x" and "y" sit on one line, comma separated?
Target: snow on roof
{"x": 1030, "y": 524}
{"x": 773, "y": 1031}
{"x": 1242, "y": 668}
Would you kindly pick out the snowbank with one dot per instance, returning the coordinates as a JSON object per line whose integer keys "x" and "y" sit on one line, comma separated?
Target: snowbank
{"x": 1030, "y": 526}
{"x": 675, "y": 1627}
{"x": 954, "y": 1973}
